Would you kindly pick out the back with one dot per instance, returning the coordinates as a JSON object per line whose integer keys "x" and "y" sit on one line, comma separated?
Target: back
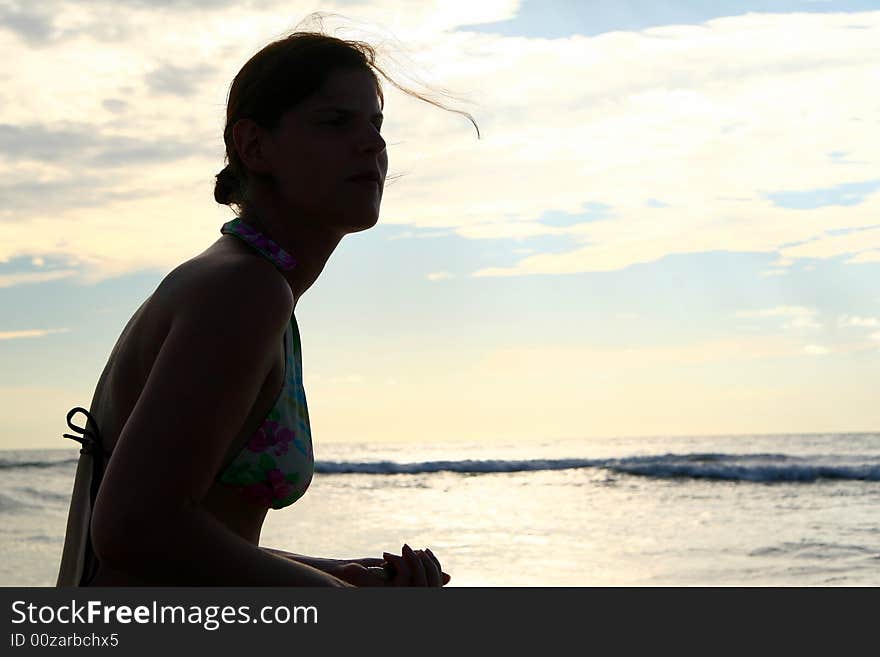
{"x": 116, "y": 392}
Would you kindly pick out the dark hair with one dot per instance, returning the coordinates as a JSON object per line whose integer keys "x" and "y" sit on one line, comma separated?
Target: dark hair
{"x": 280, "y": 76}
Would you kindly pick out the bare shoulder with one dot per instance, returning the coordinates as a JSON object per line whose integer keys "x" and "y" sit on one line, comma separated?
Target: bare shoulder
{"x": 223, "y": 284}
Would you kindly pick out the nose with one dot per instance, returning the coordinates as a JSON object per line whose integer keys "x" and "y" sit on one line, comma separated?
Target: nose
{"x": 373, "y": 142}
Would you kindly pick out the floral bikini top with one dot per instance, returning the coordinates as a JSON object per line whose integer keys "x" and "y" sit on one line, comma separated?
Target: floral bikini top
{"x": 275, "y": 468}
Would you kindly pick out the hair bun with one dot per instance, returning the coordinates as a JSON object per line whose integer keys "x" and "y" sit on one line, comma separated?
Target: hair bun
{"x": 227, "y": 187}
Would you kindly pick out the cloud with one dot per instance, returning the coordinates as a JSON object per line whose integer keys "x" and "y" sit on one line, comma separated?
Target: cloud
{"x": 51, "y": 169}
{"x": 23, "y": 278}
{"x": 34, "y": 24}
{"x": 826, "y": 245}
{"x": 179, "y": 80}
{"x": 710, "y": 127}
{"x": 56, "y": 22}
{"x": 78, "y": 145}
{"x": 439, "y": 276}
{"x": 778, "y": 311}
{"x": 24, "y": 197}
{"x": 53, "y": 22}
{"x": 40, "y": 142}
{"x": 865, "y": 257}
{"x": 801, "y": 317}
{"x": 114, "y": 105}
{"x": 802, "y": 323}
{"x": 699, "y": 126}
{"x": 555, "y": 358}
{"x": 420, "y": 234}
{"x": 815, "y": 350}
{"x": 32, "y": 333}
{"x": 855, "y": 320}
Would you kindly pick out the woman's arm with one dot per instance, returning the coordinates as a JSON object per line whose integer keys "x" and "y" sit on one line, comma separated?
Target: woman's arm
{"x": 356, "y": 572}
{"x": 414, "y": 568}
{"x": 321, "y": 563}
{"x": 196, "y": 549}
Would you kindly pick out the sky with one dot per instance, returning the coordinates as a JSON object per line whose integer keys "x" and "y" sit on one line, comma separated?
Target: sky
{"x": 670, "y": 224}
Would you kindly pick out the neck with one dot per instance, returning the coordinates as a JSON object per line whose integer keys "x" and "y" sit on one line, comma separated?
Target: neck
{"x": 310, "y": 246}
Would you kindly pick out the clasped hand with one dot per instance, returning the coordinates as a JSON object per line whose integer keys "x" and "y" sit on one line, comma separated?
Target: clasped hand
{"x": 412, "y": 568}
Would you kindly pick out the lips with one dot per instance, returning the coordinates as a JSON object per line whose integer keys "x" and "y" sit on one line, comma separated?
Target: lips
{"x": 366, "y": 183}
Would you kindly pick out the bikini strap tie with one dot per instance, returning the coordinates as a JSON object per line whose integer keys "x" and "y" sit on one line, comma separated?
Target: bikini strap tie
{"x": 93, "y": 446}
{"x": 90, "y": 441}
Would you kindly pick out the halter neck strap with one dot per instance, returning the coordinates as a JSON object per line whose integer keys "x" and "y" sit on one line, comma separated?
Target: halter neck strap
{"x": 259, "y": 242}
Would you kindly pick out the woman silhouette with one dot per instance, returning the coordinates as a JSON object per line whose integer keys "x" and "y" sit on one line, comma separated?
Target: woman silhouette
{"x": 199, "y": 422}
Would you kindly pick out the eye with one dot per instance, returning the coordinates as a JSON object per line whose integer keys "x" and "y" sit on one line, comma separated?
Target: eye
{"x": 342, "y": 119}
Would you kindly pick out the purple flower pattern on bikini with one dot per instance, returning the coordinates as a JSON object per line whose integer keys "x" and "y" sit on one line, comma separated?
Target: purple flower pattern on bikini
{"x": 271, "y": 435}
{"x": 251, "y": 235}
{"x": 276, "y": 487}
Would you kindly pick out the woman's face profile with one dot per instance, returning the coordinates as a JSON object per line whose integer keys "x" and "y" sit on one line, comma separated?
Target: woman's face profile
{"x": 321, "y": 143}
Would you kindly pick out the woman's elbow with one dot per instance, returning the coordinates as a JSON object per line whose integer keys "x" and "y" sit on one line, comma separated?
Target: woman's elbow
{"x": 124, "y": 538}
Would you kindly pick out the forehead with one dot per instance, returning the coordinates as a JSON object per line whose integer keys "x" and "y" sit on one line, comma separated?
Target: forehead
{"x": 347, "y": 88}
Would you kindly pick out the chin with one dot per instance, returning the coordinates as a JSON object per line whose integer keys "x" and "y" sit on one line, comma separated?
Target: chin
{"x": 365, "y": 225}
{"x": 360, "y": 223}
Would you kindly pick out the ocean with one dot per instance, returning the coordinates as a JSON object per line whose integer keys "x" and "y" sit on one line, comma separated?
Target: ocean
{"x": 762, "y": 510}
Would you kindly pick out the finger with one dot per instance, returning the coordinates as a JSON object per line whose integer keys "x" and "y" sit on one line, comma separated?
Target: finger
{"x": 389, "y": 568}
{"x": 380, "y": 575}
{"x": 415, "y": 563}
{"x": 401, "y": 570}
{"x": 435, "y": 559}
{"x": 358, "y": 575}
{"x": 432, "y": 573}
{"x": 444, "y": 577}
